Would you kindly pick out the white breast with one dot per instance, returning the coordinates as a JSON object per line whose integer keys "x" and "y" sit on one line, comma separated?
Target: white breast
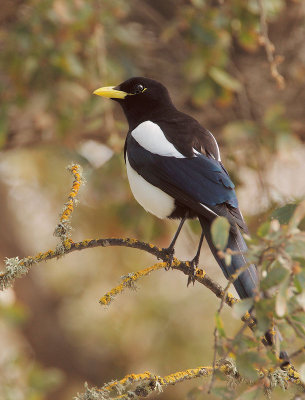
{"x": 151, "y": 198}
{"x": 150, "y": 136}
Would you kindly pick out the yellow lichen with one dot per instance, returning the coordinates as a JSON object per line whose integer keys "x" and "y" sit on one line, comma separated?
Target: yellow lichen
{"x": 128, "y": 282}
{"x": 200, "y": 273}
{"x": 67, "y": 244}
{"x": 130, "y": 241}
{"x": 84, "y": 243}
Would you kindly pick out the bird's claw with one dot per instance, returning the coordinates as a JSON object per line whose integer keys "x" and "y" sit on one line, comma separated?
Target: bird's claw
{"x": 192, "y": 271}
{"x": 169, "y": 256}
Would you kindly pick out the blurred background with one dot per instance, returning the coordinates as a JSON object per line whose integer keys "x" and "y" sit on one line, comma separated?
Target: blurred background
{"x": 53, "y": 53}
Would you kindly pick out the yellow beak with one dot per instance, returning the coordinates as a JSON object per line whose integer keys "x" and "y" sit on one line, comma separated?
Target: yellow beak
{"x": 110, "y": 92}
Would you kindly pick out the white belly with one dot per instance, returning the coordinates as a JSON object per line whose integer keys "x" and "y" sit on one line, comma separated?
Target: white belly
{"x": 151, "y": 198}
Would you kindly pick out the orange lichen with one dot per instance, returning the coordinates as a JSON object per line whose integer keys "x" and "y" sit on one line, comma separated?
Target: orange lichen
{"x": 69, "y": 206}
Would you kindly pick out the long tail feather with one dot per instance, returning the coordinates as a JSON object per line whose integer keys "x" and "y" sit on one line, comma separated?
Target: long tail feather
{"x": 248, "y": 279}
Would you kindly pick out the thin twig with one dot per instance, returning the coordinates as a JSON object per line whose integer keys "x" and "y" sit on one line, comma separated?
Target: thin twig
{"x": 216, "y": 335}
{"x": 297, "y": 352}
{"x": 274, "y": 61}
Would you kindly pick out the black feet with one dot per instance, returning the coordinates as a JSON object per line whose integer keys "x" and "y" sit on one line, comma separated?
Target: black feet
{"x": 169, "y": 253}
{"x": 194, "y": 263}
{"x": 169, "y": 256}
{"x": 192, "y": 271}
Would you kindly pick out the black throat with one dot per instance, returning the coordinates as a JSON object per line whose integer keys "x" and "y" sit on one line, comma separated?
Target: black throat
{"x": 138, "y": 109}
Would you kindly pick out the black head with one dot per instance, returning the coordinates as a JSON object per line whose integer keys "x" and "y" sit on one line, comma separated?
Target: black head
{"x": 140, "y": 98}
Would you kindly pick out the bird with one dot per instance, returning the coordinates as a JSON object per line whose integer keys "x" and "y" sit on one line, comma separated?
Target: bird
{"x": 175, "y": 171}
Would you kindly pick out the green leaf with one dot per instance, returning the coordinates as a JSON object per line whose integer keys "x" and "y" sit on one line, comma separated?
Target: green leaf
{"x": 240, "y": 308}
{"x": 264, "y": 312}
{"x": 245, "y": 364}
{"x": 299, "y": 318}
{"x": 281, "y": 298}
{"x": 224, "y": 79}
{"x": 297, "y": 216}
{"x": 299, "y": 281}
{"x": 284, "y": 214}
{"x": 272, "y": 357}
{"x": 243, "y": 343}
{"x": 220, "y": 232}
{"x": 275, "y": 276}
{"x": 219, "y": 325}
{"x": 264, "y": 229}
{"x": 296, "y": 248}
{"x": 301, "y": 299}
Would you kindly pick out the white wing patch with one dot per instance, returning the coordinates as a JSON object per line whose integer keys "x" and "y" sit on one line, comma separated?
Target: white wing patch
{"x": 150, "y": 136}
{"x": 151, "y": 198}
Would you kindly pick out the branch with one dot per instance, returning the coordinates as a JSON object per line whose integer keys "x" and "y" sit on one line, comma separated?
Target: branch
{"x": 68, "y": 246}
{"x": 147, "y": 382}
{"x": 216, "y": 333}
{"x": 274, "y": 61}
{"x": 16, "y": 268}
{"x": 124, "y": 389}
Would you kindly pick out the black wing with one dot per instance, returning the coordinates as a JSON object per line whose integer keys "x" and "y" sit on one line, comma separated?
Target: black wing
{"x": 198, "y": 182}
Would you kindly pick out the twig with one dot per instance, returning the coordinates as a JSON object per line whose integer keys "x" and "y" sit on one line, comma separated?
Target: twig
{"x": 295, "y": 327}
{"x": 274, "y": 61}
{"x": 297, "y": 352}
{"x": 239, "y": 332}
{"x": 63, "y": 229}
{"x": 129, "y": 282}
{"x": 216, "y": 335}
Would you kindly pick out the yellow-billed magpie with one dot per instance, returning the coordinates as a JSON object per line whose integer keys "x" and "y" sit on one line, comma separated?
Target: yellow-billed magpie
{"x": 174, "y": 170}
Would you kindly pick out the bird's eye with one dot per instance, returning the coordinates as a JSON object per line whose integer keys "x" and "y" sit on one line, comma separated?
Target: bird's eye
{"x": 139, "y": 89}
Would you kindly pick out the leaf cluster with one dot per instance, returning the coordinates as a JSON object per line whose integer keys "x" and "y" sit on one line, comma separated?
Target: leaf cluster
{"x": 278, "y": 305}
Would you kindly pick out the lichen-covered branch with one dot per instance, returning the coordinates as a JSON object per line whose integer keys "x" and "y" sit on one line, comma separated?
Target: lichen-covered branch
{"x": 134, "y": 386}
{"x": 141, "y": 385}
{"x": 63, "y": 229}
{"x": 15, "y": 268}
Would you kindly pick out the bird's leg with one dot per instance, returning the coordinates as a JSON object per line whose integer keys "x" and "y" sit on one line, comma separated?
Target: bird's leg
{"x": 170, "y": 249}
{"x": 195, "y": 261}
